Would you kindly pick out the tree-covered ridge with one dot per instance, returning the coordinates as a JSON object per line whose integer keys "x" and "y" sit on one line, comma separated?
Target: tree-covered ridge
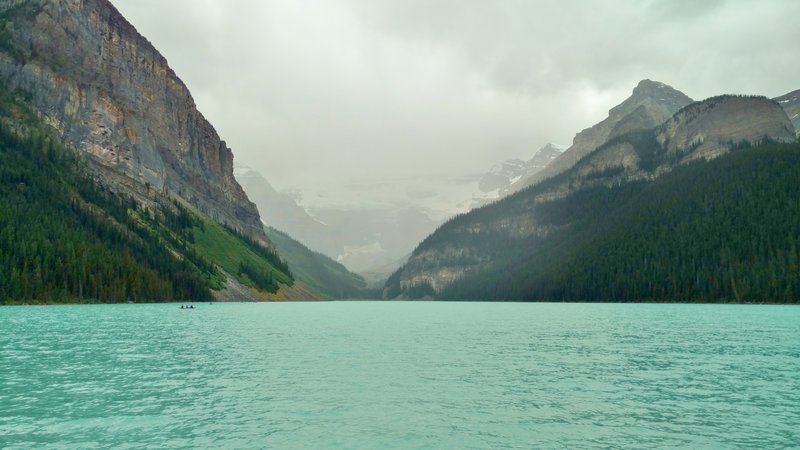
{"x": 64, "y": 238}
{"x": 491, "y": 235}
{"x": 724, "y": 230}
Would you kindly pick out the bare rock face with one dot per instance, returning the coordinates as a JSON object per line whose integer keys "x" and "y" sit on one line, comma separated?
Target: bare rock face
{"x": 711, "y": 127}
{"x": 702, "y": 130}
{"x": 650, "y": 104}
{"x": 87, "y": 72}
{"x": 791, "y": 104}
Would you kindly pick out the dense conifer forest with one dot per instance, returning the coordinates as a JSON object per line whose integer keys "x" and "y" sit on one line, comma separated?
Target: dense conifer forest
{"x": 726, "y": 230}
{"x": 64, "y": 238}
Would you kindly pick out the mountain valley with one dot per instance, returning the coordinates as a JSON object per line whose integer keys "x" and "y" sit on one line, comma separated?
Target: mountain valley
{"x": 116, "y": 188}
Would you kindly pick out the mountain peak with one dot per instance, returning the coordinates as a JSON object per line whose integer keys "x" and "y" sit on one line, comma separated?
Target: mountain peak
{"x": 553, "y": 147}
{"x": 660, "y": 100}
{"x": 655, "y": 90}
{"x": 651, "y": 103}
{"x": 648, "y": 84}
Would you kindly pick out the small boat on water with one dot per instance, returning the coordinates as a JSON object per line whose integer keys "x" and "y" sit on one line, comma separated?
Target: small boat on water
{"x": 186, "y": 307}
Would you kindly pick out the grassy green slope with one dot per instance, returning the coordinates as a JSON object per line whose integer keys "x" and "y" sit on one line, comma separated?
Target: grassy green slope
{"x": 316, "y": 270}
{"x": 229, "y": 251}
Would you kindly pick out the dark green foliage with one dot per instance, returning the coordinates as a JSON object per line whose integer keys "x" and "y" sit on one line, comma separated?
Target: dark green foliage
{"x": 179, "y": 220}
{"x": 5, "y": 38}
{"x": 420, "y": 290}
{"x": 316, "y": 270}
{"x": 62, "y": 238}
{"x": 725, "y": 230}
{"x": 262, "y": 278}
{"x": 268, "y": 254}
{"x": 175, "y": 226}
{"x": 392, "y": 289}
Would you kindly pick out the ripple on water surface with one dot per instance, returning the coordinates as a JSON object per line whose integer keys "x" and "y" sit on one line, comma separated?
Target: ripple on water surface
{"x": 400, "y": 375}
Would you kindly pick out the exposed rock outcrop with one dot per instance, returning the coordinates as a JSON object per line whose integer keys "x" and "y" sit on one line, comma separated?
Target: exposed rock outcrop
{"x": 650, "y": 104}
{"x": 791, "y": 104}
{"x": 711, "y": 127}
{"x": 87, "y": 72}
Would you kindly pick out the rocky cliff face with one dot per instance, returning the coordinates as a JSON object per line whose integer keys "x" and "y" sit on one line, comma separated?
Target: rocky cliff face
{"x": 709, "y": 128}
{"x": 87, "y": 72}
{"x": 650, "y": 104}
{"x": 791, "y": 104}
{"x": 702, "y": 130}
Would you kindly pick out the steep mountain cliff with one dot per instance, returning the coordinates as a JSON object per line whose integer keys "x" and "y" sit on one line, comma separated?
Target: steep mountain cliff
{"x": 108, "y": 92}
{"x": 791, "y": 104}
{"x": 115, "y": 188}
{"x": 650, "y": 104}
{"x": 514, "y": 229}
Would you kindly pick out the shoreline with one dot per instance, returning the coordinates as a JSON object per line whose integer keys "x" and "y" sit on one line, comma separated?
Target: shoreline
{"x": 403, "y": 301}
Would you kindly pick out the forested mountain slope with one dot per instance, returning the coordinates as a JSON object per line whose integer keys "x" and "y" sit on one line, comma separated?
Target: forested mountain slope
{"x": 721, "y": 230}
{"x": 64, "y": 237}
{"x": 107, "y": 92}
{"x": 115, "y": 187}
{"x": 543, "y": 219}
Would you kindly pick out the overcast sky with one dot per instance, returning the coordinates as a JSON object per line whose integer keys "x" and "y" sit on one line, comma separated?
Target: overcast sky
{"x": 319, "y": 94}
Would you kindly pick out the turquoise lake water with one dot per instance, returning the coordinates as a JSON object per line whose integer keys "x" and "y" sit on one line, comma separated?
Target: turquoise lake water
{"x": 400, "y": 375}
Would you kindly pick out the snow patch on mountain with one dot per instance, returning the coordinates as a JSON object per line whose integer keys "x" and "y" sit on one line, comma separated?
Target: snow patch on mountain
{"x": 497, "y": 181}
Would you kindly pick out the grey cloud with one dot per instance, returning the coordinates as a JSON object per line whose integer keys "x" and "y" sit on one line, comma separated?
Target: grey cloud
{"x": 533, "y": 46}
{"x": 320, "y": 94}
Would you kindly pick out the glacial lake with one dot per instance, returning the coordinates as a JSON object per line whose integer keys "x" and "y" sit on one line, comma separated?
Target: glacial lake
{"x": 400, "y": 375}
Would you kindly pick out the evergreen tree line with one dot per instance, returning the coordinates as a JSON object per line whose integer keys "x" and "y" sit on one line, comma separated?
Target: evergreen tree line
{"x": 262, "y": 251}
{"x": 724, "y": 230}
{"x": 420, "y": 290}
{"x": 262, "y": 278}
{"x": 175, "y": 225}
{"x": 63, "y": 238}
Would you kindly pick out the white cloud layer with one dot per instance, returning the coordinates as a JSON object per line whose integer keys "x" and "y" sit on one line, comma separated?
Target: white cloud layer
{"x": 321, "y": 94}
